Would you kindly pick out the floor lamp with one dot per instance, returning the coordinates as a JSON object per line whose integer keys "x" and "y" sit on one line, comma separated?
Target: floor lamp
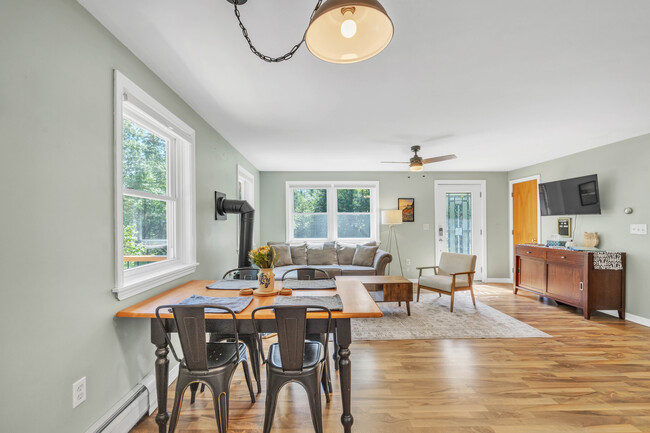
{"x": 391, "y": 218}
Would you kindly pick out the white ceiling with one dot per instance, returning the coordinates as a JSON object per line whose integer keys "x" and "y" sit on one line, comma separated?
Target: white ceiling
{"x": 501, "y": 83}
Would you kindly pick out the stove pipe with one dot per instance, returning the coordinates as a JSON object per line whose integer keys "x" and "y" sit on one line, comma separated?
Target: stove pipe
{"x": 246, "y": 213}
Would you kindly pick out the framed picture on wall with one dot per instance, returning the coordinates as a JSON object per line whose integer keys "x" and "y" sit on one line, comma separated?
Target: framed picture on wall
{"x": 407, "y": 206}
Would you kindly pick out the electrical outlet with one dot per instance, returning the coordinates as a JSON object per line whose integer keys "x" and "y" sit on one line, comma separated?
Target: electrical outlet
{"x": 79, "y": 392}
{"x": 638, "y": 229}
{"x": 425, "y": 226}
{"x": 407, "y": 262}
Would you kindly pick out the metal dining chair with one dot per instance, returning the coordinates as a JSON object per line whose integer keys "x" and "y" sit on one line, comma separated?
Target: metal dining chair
{"x": 250, "y": 340}
{"x": 210, "y": 363}
{"x": 295, "y": 359}
{"x": 306, "y": 273}
{"x": 311, "y": 273}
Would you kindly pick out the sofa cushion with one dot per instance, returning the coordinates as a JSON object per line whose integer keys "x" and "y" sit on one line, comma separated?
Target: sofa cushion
{"x": 322, "y": 254}
{"x": 280, "y": 270}
{"x": 442, "y": 282}
{"x": 364, "y": 255}
{"x": 298, "y": 252}
{"x": 347, "y": 270}
{"x": 332, "y": 270}
{"x": 283, "y": 253}
{"x": 345, "y": 252}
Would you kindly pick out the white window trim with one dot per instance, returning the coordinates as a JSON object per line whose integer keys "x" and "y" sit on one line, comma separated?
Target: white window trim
{"x": 246, "y": 176}
{"x": 182, "y": 178}
{"x": 331, "y": 209}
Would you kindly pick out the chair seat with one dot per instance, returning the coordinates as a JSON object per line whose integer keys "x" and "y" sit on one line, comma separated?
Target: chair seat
{"x": 220, "y": 354}
{"x": 442, "y": 282}
{"x": 314, "y": 353}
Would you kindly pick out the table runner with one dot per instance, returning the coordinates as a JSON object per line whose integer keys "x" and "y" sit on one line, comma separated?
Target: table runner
{"x": 236, "y": 303}
{"x": 323, "y": 284}
{"x": 233, "y": 284}
{"x": 334, "y": 303}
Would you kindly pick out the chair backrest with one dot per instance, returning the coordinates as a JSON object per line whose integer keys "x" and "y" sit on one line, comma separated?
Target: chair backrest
{"x": 241, "y": 274}
{"x": 452, "y": 262}
{"x": 305, "y": 274}
{"x": 291, "y": 322}
{"x": 190, "y": 323}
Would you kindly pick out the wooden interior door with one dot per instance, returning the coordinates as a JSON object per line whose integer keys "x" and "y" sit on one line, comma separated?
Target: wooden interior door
{"x": 524, "y": 212}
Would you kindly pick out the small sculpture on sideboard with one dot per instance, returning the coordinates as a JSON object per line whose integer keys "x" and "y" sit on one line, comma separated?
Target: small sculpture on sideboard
{"x": 591, "y": 239}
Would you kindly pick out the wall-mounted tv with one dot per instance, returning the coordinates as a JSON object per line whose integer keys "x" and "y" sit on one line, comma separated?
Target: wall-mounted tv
{"x": 577, "y": 196}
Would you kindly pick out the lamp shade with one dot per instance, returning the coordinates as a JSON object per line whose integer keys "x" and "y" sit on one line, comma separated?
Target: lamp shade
{"x": 393, "y": 216}
{"x": 349, "y": 31}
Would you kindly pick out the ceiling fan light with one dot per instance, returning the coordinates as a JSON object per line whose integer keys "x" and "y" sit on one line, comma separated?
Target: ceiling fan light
{"x": 416, "y": 166}
{"x": 327, "y": 40}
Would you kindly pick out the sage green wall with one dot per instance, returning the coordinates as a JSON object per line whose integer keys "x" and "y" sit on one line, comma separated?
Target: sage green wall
{"x": 57, "y": 239}
{"x": 623, "y": 171}
{"x": 415, "y": 243}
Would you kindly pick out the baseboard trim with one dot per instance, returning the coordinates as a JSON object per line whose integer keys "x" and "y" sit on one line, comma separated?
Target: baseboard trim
{"x": 126, "y": 413}
{"x": 498, "y": 280}
{"x": 631, "y": 317}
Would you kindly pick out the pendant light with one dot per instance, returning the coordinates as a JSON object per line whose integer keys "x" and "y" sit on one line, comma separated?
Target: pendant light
{"x": 349, "y": 31}
{"x": 340, "y": 31}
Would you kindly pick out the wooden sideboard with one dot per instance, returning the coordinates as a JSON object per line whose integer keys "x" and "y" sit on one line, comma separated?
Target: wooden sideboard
{"x": 569, "y": 277}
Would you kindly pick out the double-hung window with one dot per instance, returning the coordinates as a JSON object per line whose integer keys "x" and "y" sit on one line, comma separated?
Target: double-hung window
{"x": 155, "y": 235}
{"x": 326, "y": 211}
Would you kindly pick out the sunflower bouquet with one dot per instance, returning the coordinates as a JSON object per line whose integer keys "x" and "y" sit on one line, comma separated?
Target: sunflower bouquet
{"x": 263, "y": 257}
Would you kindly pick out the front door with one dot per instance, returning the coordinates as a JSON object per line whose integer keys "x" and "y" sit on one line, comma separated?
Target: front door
{"x": 459, "y": 221}
{"x": 524, "y": 212}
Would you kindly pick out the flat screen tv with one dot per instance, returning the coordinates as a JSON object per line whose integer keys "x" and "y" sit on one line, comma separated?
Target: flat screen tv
{"x": 577, "y": 196}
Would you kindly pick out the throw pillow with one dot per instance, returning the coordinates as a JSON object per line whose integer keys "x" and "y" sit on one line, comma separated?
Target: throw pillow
{"x": 321, "y": 254}
{"x": 345, "y": 252}
{"x": 364, "y": 255}
{"x": 284, "y": 255}
{"x": 298, "y": 252}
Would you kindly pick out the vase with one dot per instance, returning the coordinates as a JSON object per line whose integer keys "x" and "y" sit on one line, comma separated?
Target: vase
{"x": 591, "y": 240}
{"x": 266, "y": 280}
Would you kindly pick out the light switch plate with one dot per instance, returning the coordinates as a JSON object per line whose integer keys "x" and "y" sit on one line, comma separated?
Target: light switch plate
{"x": 425, "y": 226}
{"x": 638, "y": 229}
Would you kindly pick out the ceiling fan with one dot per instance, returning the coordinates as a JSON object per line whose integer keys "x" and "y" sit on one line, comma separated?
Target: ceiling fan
{"x": 416, "y": 163}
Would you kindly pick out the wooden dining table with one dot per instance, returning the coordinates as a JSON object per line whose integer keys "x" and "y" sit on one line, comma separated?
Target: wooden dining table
{"x": 357, "y": 303}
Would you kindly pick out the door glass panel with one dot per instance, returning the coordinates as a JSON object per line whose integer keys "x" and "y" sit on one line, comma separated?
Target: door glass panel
{"x": 459, "y": 222}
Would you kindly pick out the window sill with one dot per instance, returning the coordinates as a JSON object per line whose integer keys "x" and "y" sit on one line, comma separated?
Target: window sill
{"x": 144, "y": 283}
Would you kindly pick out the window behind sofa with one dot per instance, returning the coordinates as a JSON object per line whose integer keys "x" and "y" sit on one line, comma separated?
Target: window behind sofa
{"x": 322, "y": 211}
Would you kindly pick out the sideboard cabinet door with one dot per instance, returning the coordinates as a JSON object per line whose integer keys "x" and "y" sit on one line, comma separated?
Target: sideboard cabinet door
{"x": 532, "y": 274}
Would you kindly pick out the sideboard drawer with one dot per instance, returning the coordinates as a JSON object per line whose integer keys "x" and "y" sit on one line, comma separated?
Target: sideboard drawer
{"x": 524, "y": 251}
{"x": 568, "y": 257}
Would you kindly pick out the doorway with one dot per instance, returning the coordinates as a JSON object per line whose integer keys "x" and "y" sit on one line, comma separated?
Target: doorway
{"x": 525, "y": 218}
{"x": 460, "y": 220}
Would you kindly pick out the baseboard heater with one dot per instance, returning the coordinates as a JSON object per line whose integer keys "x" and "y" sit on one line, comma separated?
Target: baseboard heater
{"x": 126, "y": 413}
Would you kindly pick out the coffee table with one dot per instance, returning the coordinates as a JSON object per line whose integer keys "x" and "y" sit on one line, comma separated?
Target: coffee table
{"x": 391, "y": 288}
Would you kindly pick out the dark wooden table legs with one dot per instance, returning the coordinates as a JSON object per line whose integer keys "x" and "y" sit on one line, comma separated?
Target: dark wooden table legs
{"x": 344, "y": 337}
{"x": 162, "y": 374}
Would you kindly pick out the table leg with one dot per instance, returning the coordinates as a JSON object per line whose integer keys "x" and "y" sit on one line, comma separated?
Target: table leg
{"x": 162, "y": 374}
{"x": 344, "y": 334}
{"x": 408, "y": 308}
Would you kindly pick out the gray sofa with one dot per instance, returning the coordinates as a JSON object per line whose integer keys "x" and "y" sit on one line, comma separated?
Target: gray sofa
{"x": 333, "y": 267}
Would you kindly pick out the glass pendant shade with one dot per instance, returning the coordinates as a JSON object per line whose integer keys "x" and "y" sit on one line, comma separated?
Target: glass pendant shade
{"x": 416, "y": 166}
{"x": 333, "y": 38}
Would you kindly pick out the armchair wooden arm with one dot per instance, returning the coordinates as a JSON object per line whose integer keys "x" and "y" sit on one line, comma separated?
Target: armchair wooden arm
{"x": 470, "y": 277}
{"x": 420, "y": 268}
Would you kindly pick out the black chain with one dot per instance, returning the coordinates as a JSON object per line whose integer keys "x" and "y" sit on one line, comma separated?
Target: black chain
{"x": 265, "y": 57}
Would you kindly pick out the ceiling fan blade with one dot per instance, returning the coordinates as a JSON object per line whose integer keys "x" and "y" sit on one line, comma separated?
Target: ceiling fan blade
{"x": 395, "y": 162}
{"x": 438, "y": 159}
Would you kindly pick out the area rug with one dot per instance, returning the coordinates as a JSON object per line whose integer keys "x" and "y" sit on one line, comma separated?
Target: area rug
{"x": 431, "y": 319}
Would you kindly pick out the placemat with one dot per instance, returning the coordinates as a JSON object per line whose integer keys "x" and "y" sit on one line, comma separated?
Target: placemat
{"x": 323, "y": 284}
{"x": 334, "y": 303}
{"x": 235, "y": 303}
{"x": 233, "y": 284}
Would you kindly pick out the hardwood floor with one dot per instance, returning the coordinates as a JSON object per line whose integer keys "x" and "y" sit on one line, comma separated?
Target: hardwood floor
{"x": 592, "y": 376}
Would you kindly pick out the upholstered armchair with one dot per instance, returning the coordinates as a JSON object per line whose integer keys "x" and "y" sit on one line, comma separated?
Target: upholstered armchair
{"x": 454, "y": 273}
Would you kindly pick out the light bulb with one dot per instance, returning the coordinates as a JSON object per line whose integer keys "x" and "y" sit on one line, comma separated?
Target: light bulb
{"x": 348, "y": 28}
